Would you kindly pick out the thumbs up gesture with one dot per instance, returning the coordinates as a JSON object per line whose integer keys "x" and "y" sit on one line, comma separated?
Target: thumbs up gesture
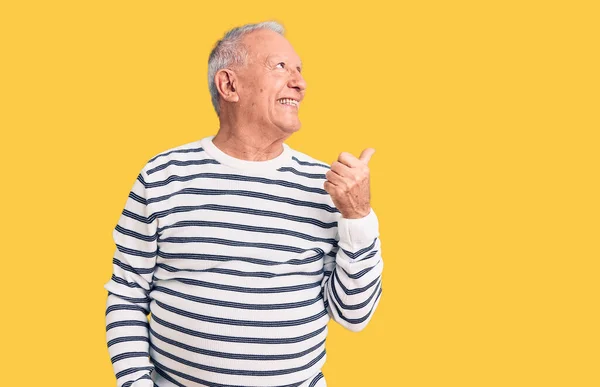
{"x": 348, "y": 184}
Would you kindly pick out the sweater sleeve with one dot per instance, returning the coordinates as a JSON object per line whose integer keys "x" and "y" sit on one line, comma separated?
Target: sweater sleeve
{"x": 127, "y": 304}
{"x": 352, "y": 282}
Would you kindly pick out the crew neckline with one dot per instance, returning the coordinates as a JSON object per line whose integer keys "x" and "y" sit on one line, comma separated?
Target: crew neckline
{"x": 246, "y": 165}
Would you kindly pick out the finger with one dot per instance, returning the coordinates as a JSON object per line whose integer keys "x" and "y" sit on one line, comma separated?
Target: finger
{"x": 334, "y": 178}
{"x": 349, "y": 160}
{"x": 329, "y": 187}
{"x": 341, "y": 169}
{"x": 366, "y": 155}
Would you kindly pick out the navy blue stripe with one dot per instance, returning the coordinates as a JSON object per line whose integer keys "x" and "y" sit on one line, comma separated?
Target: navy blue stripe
{"x": 309, "y": 163}
{"x": 317, "y": 176}
{"x": 234, "y": 177}
{"x": 240, "y": 289}
{"x": 229, "y": 242}
{"x": 139, "y": 218}
{"x": 129, "y": 383}
{"x": 245, "y": 323}
{"x": 137, "y": 300}
{"x": 126, "y": 323}
{"x": 239, "y": 273}
{"x": 189, "y": 150}
{"x": 361, "y": 251}
{"x": 112, "y": 308}
{"x": 237, "y": 305}
{"x": 160, "y": 369}
{"x": 350, "y": 306}
{"x": 141, "y": 180}
{"x": 236, "y": 372}
{"x": 131, "y": 269}
{"x": 244, "y": 193}
{"x": 316, "y": 379}
{"x": 242, "y": 210}
{"x": 361, "y": 319}
{"x": 133, "y": 370}
{"x": 125, "y": 339}
{"x": 249, "y": 228}
{"x": 237, "y": 356}
{"x": 121, "y": 281}
{"x": 128, "y": 355}
{"x": 181, "y": 163}
{"x": 227, "y": 258}
{"x": 137, "y": 197}
{"x": 165, "y": 375}
{"x": 350, "y": 292}
{"x": 137, "y": 235}
{"x": 233, "y": 339}
{"x": 137, "y": 253}
{"x": 360, "y": 273}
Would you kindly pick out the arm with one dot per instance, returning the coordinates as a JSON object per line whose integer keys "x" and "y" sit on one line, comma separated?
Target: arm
{"x": 352, "y": 283}
{"x": 127, "y": 304}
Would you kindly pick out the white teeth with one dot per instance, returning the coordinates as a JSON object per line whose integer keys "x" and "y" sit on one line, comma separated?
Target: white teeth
{"x": 288, "y": 101}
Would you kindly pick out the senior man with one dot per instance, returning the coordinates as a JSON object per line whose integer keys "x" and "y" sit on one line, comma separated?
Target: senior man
{"x": 240, "y": 248}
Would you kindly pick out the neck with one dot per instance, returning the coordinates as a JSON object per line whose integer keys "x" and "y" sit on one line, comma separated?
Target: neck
{"x": 249, "y": 143}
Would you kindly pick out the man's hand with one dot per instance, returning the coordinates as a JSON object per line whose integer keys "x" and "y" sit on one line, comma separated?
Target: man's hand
{"x": 348, "y": 184}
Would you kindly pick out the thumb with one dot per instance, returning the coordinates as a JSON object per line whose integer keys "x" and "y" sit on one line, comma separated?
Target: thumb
{"x": 366, "y": 154}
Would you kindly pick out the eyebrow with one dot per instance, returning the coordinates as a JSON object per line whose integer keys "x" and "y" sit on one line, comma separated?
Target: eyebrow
{"x": 276, "y": 58}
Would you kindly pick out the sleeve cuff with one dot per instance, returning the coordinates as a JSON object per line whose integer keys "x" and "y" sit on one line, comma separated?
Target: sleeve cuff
{"x": 358, "y": 233}
{"x": 143, "y": 383}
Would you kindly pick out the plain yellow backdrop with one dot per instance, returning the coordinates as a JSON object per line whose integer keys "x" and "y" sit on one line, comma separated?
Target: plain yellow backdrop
{"x": 485, "y": 121}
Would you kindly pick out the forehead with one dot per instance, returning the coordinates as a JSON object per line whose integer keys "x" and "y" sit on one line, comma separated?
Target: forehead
{"x": 266, "y": 44}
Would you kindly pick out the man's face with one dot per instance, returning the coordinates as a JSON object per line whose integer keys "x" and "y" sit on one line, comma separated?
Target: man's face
{"x": 270, "y": 84}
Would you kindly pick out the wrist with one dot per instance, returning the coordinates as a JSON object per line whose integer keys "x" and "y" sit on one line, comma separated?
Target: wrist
{"x": 356, "y": 214}
{"x": 358, "y": 233}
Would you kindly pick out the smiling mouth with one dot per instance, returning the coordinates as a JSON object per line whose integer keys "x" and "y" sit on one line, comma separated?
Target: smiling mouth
{"x": 289, "y": 101}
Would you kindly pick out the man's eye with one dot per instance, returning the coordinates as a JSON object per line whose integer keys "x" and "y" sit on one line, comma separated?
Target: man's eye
{"x": 280, "y": 64}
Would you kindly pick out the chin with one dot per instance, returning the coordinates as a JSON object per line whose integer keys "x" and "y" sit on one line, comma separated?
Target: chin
{"x": 290, "y": 128}
{"x": 293, "y": 129}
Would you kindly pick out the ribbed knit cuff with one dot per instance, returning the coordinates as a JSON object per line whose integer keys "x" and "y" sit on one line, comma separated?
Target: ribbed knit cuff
{"x": 358, "y": 233}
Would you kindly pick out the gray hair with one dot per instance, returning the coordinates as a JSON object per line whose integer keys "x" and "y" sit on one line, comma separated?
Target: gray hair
{"x": 228, "y": 51}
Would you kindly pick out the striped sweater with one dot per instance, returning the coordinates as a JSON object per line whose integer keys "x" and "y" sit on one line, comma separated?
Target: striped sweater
{"x": 227, "y": 271}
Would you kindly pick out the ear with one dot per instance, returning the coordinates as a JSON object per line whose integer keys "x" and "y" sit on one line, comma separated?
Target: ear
{"x": 226, "y": 83}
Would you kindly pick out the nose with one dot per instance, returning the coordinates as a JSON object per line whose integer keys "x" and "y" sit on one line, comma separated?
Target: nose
{"x": 297, "y": 81}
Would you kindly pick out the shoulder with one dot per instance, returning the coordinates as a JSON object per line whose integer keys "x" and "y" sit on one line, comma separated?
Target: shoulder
{"x": 304, "y": 161}
{"x": 172, "y": 155}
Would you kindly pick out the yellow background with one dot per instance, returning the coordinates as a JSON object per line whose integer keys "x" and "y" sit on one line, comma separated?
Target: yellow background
{"x": 485, "y": 120}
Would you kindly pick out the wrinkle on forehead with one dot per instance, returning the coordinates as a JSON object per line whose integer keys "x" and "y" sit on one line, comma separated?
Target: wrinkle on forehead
{"x": 259, "y": 46}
